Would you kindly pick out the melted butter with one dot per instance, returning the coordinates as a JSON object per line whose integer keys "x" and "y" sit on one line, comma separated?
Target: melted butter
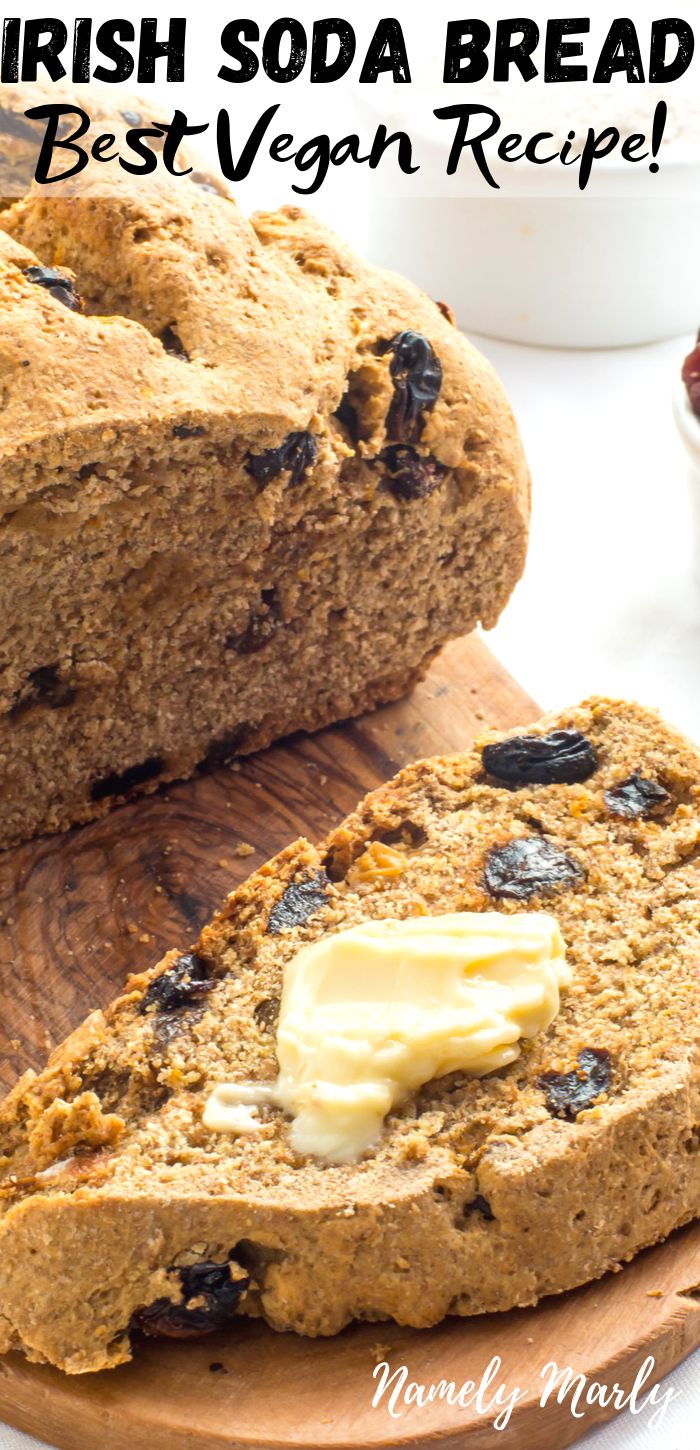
{"x": 370, "y": 1014}
{"x": 234, "y": 1107}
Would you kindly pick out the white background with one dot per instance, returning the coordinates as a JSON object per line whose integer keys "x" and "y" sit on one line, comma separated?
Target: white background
{"x": 608, "y": 603}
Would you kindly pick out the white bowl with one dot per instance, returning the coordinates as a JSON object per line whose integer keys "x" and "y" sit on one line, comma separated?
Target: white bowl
{"x": 540, "y": 262}
{"x": 558, "y": 272}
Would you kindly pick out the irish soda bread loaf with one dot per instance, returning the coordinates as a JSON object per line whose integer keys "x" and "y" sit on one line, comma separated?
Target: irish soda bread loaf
{"x": 123, "y": 1213}
{"x": 248, "y": 485}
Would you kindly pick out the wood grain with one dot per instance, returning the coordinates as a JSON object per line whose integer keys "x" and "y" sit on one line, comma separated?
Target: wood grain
{"x": 81, "y": 910}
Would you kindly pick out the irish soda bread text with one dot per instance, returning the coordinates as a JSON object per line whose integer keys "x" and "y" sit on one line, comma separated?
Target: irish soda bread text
{"x": 248, "y": 485}
{"x": 123, "y": 1214}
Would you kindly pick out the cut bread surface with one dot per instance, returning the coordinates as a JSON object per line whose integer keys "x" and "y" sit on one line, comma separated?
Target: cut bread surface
{"x": 123, "y": 1214}
{"x": 249, "y": 485}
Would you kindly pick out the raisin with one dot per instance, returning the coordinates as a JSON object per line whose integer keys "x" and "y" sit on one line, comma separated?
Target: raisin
{"x": 636, "y": 796}
{"x": 563, "y": 756}
{"x": 301, "y": 900}
{"x": 121, "y": 782}
{"x": 416, "y": 373}
{"x": 187, "y": 981}
{"x": 225, "y": 748}
{"x": 529, "y": 866}
{"x": 172, "y": 343}
{"x": 44, "y": 687}
{"x": 57, "y": 284}
{"x": 408, "y": 475}
{"x": 479, "y": 1204}
{"x": 213, "y": 1295}
{"x": 691, "y": 377}
{"x": 568, "y": 1093}
{"x": 298, "y": 453}
{"x": 267, "y": 1013}
{"x": 182, "y": 430}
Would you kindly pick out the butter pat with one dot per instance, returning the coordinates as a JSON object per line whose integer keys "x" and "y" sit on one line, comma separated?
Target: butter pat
{"x": 371, "y": 1014}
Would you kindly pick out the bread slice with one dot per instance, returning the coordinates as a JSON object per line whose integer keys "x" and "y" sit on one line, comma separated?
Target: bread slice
{"x": 249, "y": 485}
{"x": 122, "y": 1213}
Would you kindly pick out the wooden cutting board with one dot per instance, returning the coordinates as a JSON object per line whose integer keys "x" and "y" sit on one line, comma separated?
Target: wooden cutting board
{"x": 77, "y": 912}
